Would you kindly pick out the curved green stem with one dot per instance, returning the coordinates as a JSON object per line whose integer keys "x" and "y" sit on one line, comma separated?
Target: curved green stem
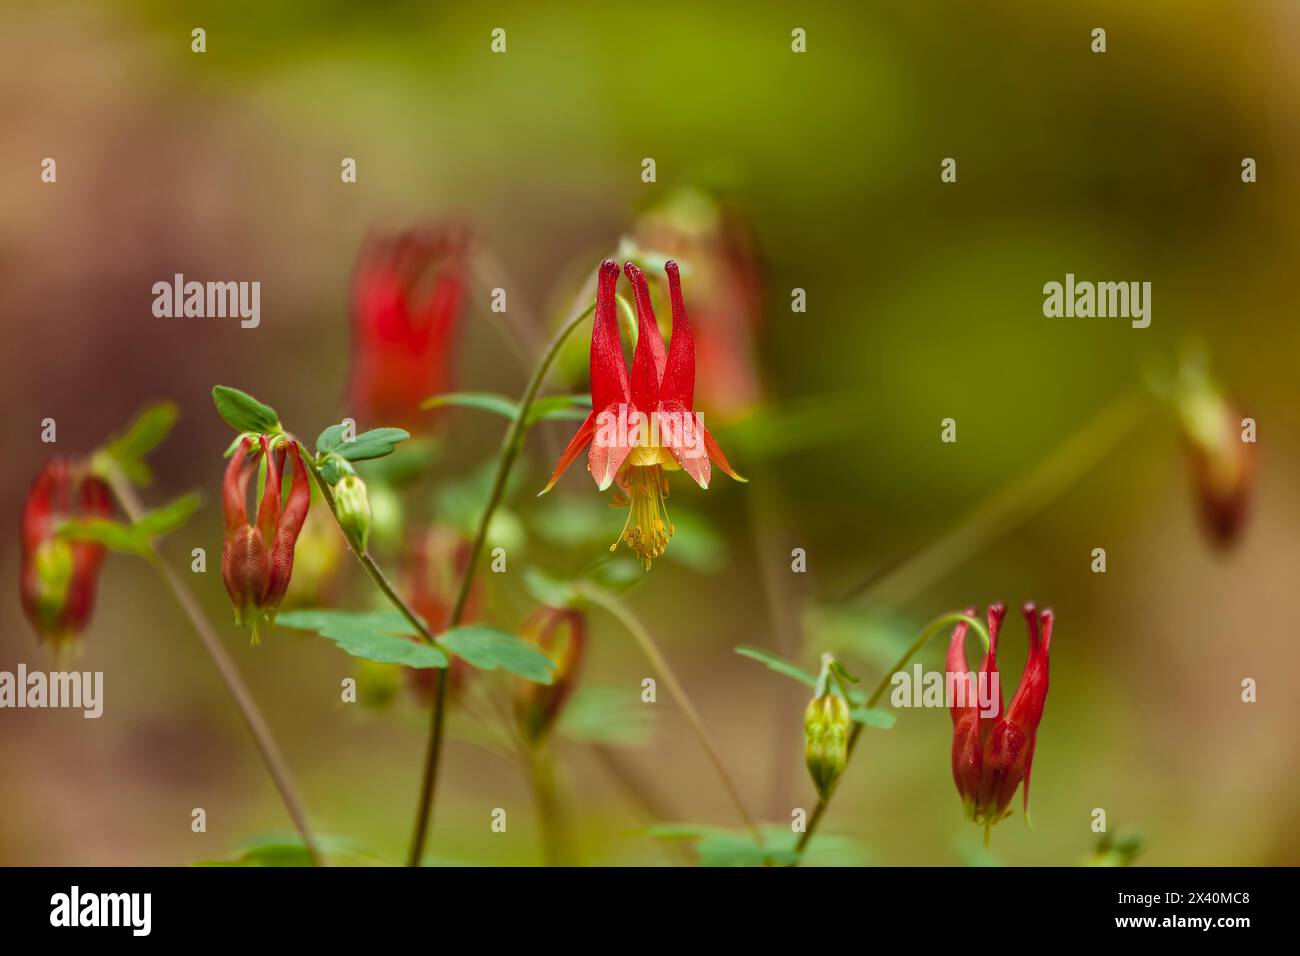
{"x": 657, "y": 660}
{"x": 510, "y": 447}
{"x": 368, "y": 563}
{"x": 927, "y": 632}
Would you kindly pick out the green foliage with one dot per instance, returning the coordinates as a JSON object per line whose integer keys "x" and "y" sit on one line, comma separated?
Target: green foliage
{"x": 606, "y": 715}
{"x": 287, "y": 849}
{"x": 385, "y": 637}
{"x": 874, "y": 717}
{"x": 488, "y": 648}
{"x": 547, "y": 408}
{"x": 148, "y": 430}
{"x": 779, "y": 665}
{"x": 375, "y": 443}
{"x": 244, "y": 413}
{"x": 715, "y": 846}
{"x": 133, "y": 538}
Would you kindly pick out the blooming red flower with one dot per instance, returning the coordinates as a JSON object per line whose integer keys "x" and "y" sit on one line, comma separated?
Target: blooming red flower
{"x": 643, "y": 425}
{"x": 58, "y": 576}
{"x": 561, "y": 634}
{"x": 407, "y": 295}
{"x": 257, "y": 560}
{"x": 992, "y": 754}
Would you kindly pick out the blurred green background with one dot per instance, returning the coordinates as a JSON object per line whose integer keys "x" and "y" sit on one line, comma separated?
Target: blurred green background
{"x": 924, "y": 301}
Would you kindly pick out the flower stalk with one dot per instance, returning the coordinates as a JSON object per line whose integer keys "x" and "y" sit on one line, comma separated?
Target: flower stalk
{"x": 510, "y": 448}
{"x": 243, "y": 698}
{"x": 660, "y": 663}
{"x": 931, "y": 629}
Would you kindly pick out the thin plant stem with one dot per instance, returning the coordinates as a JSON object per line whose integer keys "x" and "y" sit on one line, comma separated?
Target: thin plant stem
{"x": 550, "y": 813}
{"x": 248, "y": 709}
{"x": 368, "y": 563}
{"x": 1006, "y": 510}
{"x": 927, "y": 632}
{"x": 657, "y": 660}
{"x": 510, "y": 447}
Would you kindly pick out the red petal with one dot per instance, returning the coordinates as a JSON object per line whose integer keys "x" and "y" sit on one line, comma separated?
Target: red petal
{"x": 288, "y": 526}
{"x": 682, "y": 433}
{"x": 679, "y": 372}
{"x": 576, "y": 444}
{"x": 715, "y": 452}
{"x": 234, "y": 489}
{"x": 956, "y": 666}
{"x": 268, "y": 512}
{"x": 610, "y": 446}
{"x": 649, "y": 357}
{"x": 609, "y": 383}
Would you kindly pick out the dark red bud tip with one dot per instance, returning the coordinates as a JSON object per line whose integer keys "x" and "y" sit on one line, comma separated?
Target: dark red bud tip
{"x": 995, "y": 615}
{"x": 609, "y": 268}
{"x": 631, "y": 271}
{"x": 670, "y": 267}
{"x": 1031, "y": 620}
{"x": 1047, "y": 618}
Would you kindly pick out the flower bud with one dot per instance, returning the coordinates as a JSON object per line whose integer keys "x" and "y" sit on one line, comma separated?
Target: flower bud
{"x": 59, "y": 576}
{"x": 826, "y": 725}
{"x": 353, "y": 508}
{"x": 1222, "y": 462}
{"x": 257, "y": 558}
{"x": 560, "y": 633}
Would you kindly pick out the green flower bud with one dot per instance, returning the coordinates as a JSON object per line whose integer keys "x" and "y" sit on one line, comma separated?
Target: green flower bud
{"x": 826, "y": 725}
{"x": 353, "y": 507}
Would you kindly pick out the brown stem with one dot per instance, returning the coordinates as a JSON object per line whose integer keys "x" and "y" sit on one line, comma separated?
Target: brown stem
{"x": 510, "y": 447}
{"x": 669, "y": 676}
{"x": 257, "y": 726}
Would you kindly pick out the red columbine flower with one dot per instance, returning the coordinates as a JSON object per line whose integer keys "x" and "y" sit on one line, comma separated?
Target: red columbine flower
{"x": 58, "y": 576}
{"x": 561, "y": 634}
{"x": 643, "y": 426}
{"x": 257, "y": 560}
{"x": 407, "y": 295}
{"x": 992, "y": 753}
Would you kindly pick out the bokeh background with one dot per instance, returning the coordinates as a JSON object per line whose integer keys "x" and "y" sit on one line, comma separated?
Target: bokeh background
{"x": 924, "y": 301}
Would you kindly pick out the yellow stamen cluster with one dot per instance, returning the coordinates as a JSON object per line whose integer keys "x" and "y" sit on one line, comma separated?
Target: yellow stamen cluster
{"x": 647, "y": 528}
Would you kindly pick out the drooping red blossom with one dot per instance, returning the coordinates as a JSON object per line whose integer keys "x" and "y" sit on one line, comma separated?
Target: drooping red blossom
{"x": 561, "y": 634}
{"x": 993, "y": 753}
{"x": 717, "y": 249}
{"x": 257, "y": 559}
{"x": 407, "y": 297}
{"x": 59, "y": 576}
{"x": 643, "y": 424}
{"x": 434, "y": 562}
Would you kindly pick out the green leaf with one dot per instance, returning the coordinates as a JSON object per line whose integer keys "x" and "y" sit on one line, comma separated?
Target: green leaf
{"x": 778, "y": 665}
{"x": 168, "y": 518}
{"x": 718, "y": 847}
{"x": 573, "y": 408}
{"x": 488, "y": 648}
{"x": 287, "y": 849}
{"x": 330, "y": 439}
{"x": 607, "y": 715}
{"x": 375, "y": 443}
{"x": 374, "y": 635}
{"x": 484, "y": 401}
{"x": 113, "y": 535}
{"x": 548, "y": 590}
{"x": 874, "y": 717}
{"x": 145, "y": 433}
{"x": 244, "y": 413}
